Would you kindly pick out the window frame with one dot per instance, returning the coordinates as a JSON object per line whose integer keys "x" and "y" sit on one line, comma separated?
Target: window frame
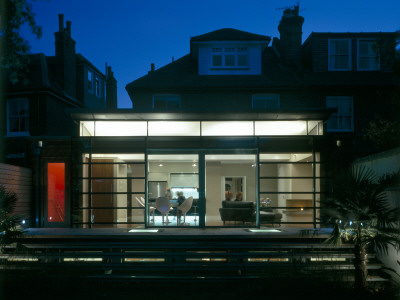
{"x": 331, "y": 55}
{"x": 230, "y": 51}
{"x": 97, "y": 87}
{"x": 338, "y": 114}
{"x": 166, "y": 101}
{"x": 17, "y": 133}
{"x": 372, "y": 40}
{"x": 90, "y": 81}
{"x": 274, "y": 97}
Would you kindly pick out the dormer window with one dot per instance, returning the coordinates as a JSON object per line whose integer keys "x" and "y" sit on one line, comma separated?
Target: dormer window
{"x": 368, "y": 59}
{"x": 90, "y": 80}
{"x": 339, "y": 55}
{"x": 230, "y": 58}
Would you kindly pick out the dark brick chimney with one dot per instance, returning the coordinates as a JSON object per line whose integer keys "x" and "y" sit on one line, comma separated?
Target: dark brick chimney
{"x": 111, "y": 89}
{"x": 290, "y": 29}
{"x": 65, "y": 58}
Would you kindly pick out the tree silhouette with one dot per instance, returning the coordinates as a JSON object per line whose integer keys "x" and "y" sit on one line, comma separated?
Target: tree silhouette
{"x": 13, "y": 47}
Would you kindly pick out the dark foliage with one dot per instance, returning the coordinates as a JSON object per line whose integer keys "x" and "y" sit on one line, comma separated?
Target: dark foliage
{"x": 9, "y": 231}
{"x": 14, "y": 48}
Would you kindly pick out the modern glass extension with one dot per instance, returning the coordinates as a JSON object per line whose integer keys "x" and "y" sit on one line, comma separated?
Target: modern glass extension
{"x": 143, "y": 174}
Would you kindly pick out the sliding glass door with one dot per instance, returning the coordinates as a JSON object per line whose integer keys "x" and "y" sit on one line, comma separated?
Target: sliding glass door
{"x": 173, "y": 190}
{"x": 231, "y": 193}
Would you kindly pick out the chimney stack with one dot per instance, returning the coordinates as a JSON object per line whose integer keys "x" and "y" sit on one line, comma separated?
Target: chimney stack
{"x": 111, "y": 89}
{"x": 152, "y": 68}
{"x": 69, "y": 28}
{"x": 290, "y": 29}
{"x": 60, "y": 23}
{"x": 65, "y": 59}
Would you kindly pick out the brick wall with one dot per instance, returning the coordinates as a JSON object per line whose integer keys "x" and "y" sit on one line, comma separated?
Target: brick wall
{"x": 18, "y": 180}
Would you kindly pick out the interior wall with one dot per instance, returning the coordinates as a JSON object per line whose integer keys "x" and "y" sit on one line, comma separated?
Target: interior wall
{"x": 157, "y": 173}
{"x": 269, "y": 170}
{"x": 213, "y": 190}
{"x": 241, "y": 170}
{"x": 215, "y": 187}
{"x": 120, "y": 185}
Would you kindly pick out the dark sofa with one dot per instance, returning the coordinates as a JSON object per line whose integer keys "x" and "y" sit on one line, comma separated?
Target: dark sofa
{"x": 245, "y": 211}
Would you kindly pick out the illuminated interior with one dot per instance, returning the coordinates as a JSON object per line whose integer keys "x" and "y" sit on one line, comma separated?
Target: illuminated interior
{"x": 200, "y": 128}
{"x": 55, "y": 192}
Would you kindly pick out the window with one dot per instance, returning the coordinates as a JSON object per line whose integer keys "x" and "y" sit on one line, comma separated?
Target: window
{"x": 90, "y": 80}
{"x": 266, "y": 101}
{"x": 166, "y": 101}
{"x": 339, "y": 55}
{"x": 368, "y": 59}
{"x": 342, "y": 120}
{"x": 18, "y": 116}
{"x": 230, "y": 58}
{"x": 98, "y": 87}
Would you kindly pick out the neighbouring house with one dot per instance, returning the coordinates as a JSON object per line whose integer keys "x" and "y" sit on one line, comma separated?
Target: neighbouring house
{"x": 242, "y": 116}
{"x": 38, "y": 128}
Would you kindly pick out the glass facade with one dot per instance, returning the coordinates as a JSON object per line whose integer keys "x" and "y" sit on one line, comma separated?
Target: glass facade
{"x": 108, "y": 187}
{"x": 270, "y": 174}
{"x": 290, "y": 185}
{"x": 243, "y": 189}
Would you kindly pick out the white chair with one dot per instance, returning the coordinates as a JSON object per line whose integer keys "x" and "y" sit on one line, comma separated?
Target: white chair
{"x": 184, "y": 208}
{"x": 142, "y": 203}
{"x": 163, "y": 205}
{"x": 152, "y": 209}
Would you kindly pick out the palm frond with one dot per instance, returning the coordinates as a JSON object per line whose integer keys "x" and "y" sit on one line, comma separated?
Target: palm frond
{"x": 361, "y": 211}
{"x": 8, "y": 200}
{"x": 335, "y": 238}
{"x": 8, "y": 222}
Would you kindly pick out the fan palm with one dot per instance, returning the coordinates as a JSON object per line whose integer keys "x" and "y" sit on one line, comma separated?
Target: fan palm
{"x": 361, "y": 214}
{"x": 9, "y": 230}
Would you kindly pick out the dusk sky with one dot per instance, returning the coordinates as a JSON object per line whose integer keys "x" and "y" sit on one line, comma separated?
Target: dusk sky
{"x": 131, "y": 34}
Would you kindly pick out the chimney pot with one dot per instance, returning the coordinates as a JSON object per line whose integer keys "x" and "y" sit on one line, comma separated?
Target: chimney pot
{"x": 60, "y": 22}
{"x": 109, "y": 72}
{"x": 152, "y": 67}
{"x": 69, "y": 28}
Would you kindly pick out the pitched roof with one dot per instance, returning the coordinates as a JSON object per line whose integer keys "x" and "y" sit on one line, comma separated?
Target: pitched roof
{"x": 351, "y": 79}
{"x": 348, "y": 35}
{"x": 36, "y": 77}
{"x": 183, "y": 74}
{"x": 229, "y": 34}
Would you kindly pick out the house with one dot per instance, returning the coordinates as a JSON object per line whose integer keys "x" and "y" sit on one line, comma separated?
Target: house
{"x": 239, "y": 116}
{"x": 37, "y": 126}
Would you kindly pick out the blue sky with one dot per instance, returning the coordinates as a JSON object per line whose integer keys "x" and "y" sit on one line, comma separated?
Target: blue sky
{"x": 131, "y": 34}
